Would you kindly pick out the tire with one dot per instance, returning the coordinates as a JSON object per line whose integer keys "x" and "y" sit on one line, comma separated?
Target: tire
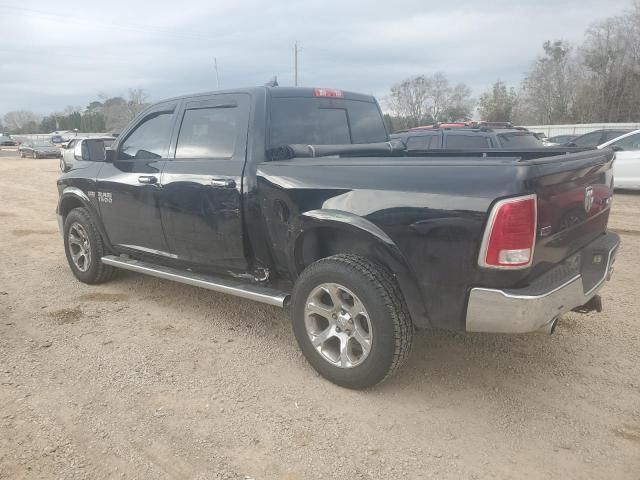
{"x": 82, "y": 226}
{"x": 388, "y": 324}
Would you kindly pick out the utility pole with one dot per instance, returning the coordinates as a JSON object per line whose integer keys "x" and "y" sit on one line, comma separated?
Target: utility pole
{"x": 215, "y": 64}
{"x": 295, "y": 62}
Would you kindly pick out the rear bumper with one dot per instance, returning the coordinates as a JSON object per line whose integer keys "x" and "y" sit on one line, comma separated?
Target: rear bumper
{"x": 537, "y": 306}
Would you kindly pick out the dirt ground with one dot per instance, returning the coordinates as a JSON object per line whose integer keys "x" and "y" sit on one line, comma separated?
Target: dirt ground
{"x": 143, "y": 378}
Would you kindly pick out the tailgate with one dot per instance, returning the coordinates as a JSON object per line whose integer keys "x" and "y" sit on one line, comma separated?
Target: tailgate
{"x": 574, "y": 196}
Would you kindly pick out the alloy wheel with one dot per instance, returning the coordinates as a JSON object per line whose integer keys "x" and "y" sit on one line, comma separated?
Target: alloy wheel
{"x": 79, "y": 247}
{"x": 338, "y": 325}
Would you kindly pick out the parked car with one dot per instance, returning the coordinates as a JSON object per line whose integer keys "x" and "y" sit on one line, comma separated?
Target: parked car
{"x": 6, "y": 141}
{"x": 597, "y": 137}
{"x": 72, "y": 151}
{"x": 58, "y": 139}
{"x": 39, "y": 149}
{"x": 463, "y": 137}
{"x": 626, "y": 167}
{"x": 561, "y": 139}
{"x": 296, "y": 197}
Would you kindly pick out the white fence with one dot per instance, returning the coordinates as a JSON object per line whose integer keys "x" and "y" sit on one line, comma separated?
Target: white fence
{"x": 46, "y": 137}
{"x": 579, "y": 128}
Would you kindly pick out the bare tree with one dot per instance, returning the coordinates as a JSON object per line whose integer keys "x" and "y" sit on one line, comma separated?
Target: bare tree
{"x": 550, "y": 84}
{"x": 408, "y": 100}
{"x": 138, "y": 101}
{"x": 460, "y": 105}
{"x": 421, "y": 100}
{"x": 611, "y": 69}
{"x": 17, "y": 120}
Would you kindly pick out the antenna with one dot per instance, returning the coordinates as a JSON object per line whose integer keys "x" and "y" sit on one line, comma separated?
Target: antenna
{"x": 273, "y": 82}
{"x": 215, "y": 65}
{"x": 295, "y": 62}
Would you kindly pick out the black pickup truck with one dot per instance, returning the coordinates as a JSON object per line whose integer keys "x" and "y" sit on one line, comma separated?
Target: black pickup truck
{"x": 296, "y": 197}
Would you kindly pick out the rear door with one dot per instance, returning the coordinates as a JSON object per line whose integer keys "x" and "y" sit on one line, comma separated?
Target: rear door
{"x": 128, "y": 190}
{"x": 202, "y": 183}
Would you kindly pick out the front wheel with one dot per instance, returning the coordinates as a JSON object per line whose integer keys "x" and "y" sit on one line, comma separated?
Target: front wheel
{"x": 350, "y": 320}
{"x": 84, "y": 248}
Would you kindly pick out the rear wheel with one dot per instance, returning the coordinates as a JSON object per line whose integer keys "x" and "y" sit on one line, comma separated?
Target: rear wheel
{"x": 350, "y": 320}
{"x": 84, "y": 248}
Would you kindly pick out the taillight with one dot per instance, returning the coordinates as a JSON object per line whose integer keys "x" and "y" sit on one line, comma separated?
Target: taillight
{"x": 510, "y": 236}
{"x": 328, "y": 92}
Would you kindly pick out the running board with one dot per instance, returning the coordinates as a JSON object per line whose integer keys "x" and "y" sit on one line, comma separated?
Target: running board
{"x": 231, "y": 286}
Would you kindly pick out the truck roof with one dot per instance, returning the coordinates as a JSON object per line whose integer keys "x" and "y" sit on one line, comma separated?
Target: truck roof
{"x": 280, "y": 92}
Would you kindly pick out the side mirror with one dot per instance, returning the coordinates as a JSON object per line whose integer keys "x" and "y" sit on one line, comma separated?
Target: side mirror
{"x": 110, "y": 155}
{"x": 90, "y": 150}
{"x": 94, "y": 150}
{"x": 77, "y": 151}
{"x": 616, "y": 148}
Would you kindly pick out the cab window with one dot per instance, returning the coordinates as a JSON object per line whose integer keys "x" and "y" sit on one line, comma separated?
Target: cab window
{"x": 149, "y": 140}
{"x": 208, "y": 133}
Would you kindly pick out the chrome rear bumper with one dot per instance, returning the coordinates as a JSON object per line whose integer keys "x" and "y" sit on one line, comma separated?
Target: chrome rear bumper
{"x": 537, "y": 306}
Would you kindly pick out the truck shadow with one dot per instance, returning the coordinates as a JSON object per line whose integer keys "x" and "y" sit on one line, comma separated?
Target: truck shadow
{"x": 439, "y": 359}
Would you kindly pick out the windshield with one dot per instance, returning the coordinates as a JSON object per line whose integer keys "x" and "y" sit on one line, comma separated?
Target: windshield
{"x": 321, "y": 121}
{"x": 519, "y": 140}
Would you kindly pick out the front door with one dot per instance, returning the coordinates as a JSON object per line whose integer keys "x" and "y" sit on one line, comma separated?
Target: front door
{"x": 202, "y": 183}
{"x": 128, "y": 190}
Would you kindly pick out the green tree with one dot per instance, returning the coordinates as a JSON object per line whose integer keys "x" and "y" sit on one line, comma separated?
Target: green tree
{"x": 498, "y": 104}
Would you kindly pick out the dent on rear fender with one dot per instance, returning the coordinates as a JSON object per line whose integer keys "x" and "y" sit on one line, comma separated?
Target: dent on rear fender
{"x": 382, "y": 249}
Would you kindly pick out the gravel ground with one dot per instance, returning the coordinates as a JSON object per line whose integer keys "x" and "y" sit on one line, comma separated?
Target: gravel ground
{"x": 143, "y": 378}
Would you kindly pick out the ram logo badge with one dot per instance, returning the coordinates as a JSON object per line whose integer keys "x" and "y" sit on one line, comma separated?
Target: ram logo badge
{"x": 105, "y": 197}
{"x": 588, "y": 199}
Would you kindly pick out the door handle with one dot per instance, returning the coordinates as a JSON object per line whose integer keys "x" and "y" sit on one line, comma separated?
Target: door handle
{"x": 223, "y": 182}
{"x": 148, "y": 179}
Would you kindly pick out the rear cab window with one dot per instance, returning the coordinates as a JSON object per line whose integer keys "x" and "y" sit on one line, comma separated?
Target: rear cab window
{"x": 424, "y": 142}
{"x": 324, "y": 121}
{"x": 455, "y": 140}
{"x": 519, "y": 140}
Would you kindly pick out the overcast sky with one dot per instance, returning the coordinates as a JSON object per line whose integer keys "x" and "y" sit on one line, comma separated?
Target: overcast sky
{"x": 55, "y": 54}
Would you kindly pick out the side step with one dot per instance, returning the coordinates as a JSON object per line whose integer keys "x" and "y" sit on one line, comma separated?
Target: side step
{"x": 218, "y": 284}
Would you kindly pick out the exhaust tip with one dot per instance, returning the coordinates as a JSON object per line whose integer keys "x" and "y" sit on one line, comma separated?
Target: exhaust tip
{"x": 548, "y": 328}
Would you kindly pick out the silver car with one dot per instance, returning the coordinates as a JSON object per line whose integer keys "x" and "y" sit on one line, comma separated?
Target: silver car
{"x": 72, "y": 151}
